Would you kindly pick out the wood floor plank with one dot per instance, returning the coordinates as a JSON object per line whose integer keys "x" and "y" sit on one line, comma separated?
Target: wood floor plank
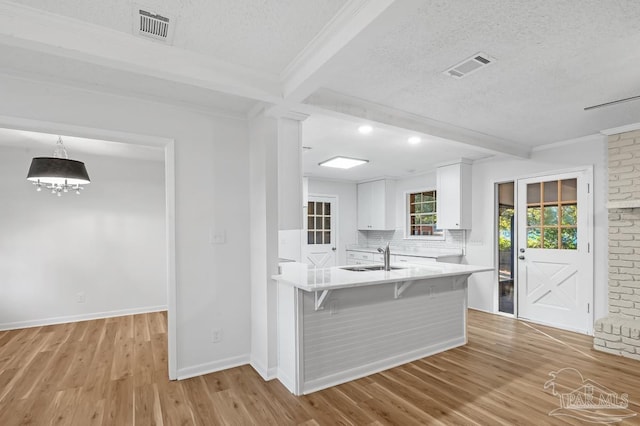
{"x": 199, "y": 400}
{"x": 147, "y": 410}
{"x": 141, "y": 328}
{"x": 114, "y": 372}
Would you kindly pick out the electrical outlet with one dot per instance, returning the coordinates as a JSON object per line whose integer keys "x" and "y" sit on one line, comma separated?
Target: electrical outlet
{"x": 217, "y": 237}
{"x": 216, "y": 335}
{"x": 80, "y": 297}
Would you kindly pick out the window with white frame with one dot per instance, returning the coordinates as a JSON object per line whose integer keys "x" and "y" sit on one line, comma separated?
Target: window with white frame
{"x": 422, "y": 215}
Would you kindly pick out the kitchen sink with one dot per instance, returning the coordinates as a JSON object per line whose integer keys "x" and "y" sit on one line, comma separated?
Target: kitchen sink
{"x": 368, "y": 268}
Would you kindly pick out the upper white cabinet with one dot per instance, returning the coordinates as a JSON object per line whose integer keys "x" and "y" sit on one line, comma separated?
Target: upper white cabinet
{"x": 453, "y": 185}
{"x": 376, "y": 205}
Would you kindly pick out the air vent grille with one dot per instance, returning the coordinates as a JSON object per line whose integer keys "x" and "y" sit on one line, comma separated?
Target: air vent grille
{"x": 470, "y": 65}
{"x": 156, "y": 26}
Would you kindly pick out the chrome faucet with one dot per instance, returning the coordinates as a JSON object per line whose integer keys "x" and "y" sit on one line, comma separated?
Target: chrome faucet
{"x": 386, "y": 252}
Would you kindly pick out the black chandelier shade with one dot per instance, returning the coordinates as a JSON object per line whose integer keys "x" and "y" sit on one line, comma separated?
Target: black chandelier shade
{"x": 58, "y": 170}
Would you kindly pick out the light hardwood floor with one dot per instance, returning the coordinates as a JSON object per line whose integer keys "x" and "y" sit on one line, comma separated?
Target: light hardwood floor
{"x": 114, "y": 372}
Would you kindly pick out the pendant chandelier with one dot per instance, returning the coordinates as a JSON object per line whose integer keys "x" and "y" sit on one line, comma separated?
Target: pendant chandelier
{"x": 58, "y": 174}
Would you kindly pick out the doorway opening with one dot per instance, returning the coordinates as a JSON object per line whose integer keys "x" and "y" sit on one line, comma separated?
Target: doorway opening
{"x": 138, "y": 143}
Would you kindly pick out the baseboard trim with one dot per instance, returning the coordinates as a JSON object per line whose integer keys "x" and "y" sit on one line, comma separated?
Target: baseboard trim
{"x": 266, "y": 373}
{"x": 82, "y": 317}
{"x": 212, "y": 367}
{"x": 481, "y": 310}
{"x": 378, "y": 366}
{"x": 287, "y": 381}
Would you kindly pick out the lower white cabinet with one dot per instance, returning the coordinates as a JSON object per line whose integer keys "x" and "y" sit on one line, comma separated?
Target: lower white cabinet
{"x": 362, "y": 258}
{"x": 396, "y": 258}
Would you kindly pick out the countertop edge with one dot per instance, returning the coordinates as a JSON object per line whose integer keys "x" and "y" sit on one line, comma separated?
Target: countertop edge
{"x": 367, "y": 281}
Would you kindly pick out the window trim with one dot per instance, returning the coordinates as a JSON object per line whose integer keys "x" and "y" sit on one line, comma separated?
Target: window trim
{"x": 407, "y": 217}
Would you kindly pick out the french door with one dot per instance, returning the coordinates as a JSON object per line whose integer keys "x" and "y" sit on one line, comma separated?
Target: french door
{"x": 554, "y": 259}
{"x": 320, "y": 247}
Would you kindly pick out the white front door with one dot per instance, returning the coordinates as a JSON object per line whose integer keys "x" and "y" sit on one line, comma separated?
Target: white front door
{"x": 321, "y": 243}
{"x": 555, "y": 264}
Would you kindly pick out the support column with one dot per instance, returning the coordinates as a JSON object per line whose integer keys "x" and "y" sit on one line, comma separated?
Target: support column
{"x": 276, "y": 203}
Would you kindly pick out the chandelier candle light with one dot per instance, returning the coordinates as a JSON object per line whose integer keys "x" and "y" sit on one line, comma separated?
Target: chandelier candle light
{"x": 58, "y": 173}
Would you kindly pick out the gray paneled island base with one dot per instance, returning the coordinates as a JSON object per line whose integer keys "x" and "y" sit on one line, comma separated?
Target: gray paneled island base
{"x": 336, "y": 325}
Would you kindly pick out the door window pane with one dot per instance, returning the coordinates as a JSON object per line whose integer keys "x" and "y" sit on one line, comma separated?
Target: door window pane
{"x": 551, "y": 192}
{"x": 569, "y": 189}
{"x": 533, "y": 193}
{"x": 533, "y": 216}
{"x": 569, "y": 215}
{"x": 569, "y": 238}
{"x": 550, "y": 240}
{"x": 551, "y": 215}
{"x": 533, "y": 238}
{"x": 327, "y": 223}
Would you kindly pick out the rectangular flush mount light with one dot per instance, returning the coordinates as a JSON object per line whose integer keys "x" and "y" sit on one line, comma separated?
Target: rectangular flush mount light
{"x": 342, "y": 162}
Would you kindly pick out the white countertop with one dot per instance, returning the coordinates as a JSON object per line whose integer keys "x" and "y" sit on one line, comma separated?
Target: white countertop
{"x": 422, "y": 252}
{"x": 307, "y": 278}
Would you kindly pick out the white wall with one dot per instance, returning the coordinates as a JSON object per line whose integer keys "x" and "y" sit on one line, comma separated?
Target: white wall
{"x": 347, "y": 211}
{"x": 212, "y": 192}
{"x": 589, "y": 151}
{"x": 108, "y": 243}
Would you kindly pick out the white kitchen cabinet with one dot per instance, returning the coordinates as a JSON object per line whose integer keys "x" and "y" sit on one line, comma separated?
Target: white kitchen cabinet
{"x": 376, "y": 205}
{"x": 453, "y": 185}
{"x": 397, "y": 258}
{"x": 362, "y": 258}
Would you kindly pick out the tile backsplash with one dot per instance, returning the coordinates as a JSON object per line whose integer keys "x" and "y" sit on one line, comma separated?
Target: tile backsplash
{"x": 453, "y": 240}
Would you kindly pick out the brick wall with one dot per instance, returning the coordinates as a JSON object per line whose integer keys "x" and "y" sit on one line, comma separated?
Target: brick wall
{"x": 619, "y": 332}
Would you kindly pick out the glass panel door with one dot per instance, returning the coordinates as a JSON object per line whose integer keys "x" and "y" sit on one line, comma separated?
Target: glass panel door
{"x": 506, "y": 236}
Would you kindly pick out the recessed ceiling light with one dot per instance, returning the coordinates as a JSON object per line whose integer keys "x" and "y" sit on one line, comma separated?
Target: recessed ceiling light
{"x": 365, "y": 129}
{"x": 414, "y": 140}
{"x": 342, "y": 162}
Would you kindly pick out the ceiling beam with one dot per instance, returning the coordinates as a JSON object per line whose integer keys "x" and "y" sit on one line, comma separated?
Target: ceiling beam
{"x": 348, "y": 106}
{"x": 37, "y": 30}
{"x": 300, "y": 78}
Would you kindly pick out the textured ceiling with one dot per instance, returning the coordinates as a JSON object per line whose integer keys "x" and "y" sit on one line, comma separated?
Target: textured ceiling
{"x": 265, "y": 35}
{"x": 386, "y": 148}
{"x": 553, "y": 59}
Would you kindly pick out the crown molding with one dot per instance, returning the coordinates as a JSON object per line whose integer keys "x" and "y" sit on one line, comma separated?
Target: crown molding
{"x": 299, "y": 78}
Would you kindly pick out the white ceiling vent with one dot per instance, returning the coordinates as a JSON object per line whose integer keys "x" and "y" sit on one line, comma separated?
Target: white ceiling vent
{"x": 152, "y": 25}
{"x": 470, "y": 65}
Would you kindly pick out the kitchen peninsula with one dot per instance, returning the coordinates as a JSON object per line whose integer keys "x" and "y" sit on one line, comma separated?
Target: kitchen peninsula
{"x": 342, "y": 323}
